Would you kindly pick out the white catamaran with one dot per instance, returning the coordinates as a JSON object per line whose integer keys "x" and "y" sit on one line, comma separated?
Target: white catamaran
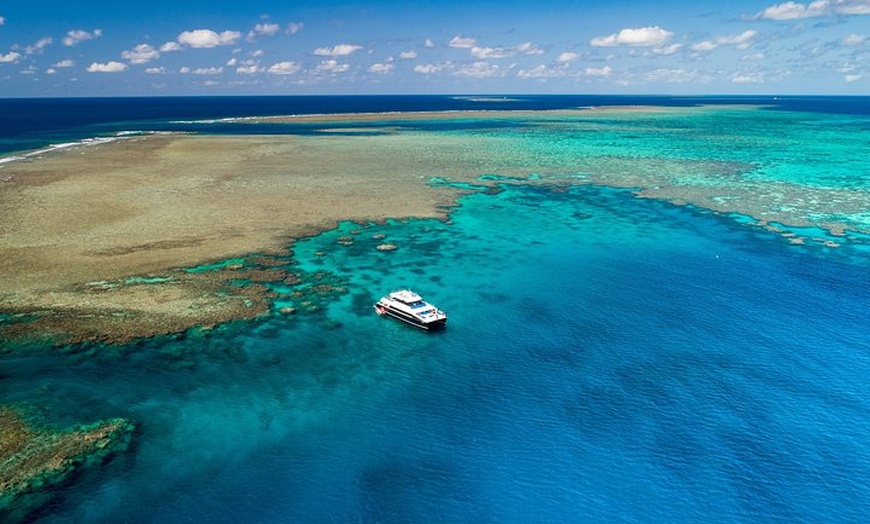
{"x": 409, "y": 307}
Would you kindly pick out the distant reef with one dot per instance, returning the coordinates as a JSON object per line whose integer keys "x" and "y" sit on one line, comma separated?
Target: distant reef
{"x": 35, "y": 457}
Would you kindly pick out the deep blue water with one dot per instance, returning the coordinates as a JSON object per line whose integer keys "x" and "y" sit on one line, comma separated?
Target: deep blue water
{"x": 608, "y": 359}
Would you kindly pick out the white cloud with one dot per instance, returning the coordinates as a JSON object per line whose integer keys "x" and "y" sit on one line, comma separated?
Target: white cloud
{"x": 568, "y": 56}
{"x": 852, "y": 78}
{"x": 671, "y": 76}
{"x": 484, "y": 53}
{"x": 156, "y": 70}
{"x": 704, "y": 46}
{"x": 852, "y": 7}
{"x": 108, "y": 67}
{"x": 284, "y": 68}
{"x": 141, "y": 54}
{"x": 462, "y": 43}
{"x": 742, "y": 41}
{"x": 430, "y": 69}
{"x": 543, "y": 72}
{"x": 381, "y": 69}
{"x": 64, "y": 63}
{"x": 642, "y": 36}
{"x": 599, "y": 71}
{"x": 528, "y": 48}
{"x": 748, "y": 78}
{"x": 796, "y": 11}
{"x": 331, "y": 66}
{"x": 206, "y": 38}
{"x": 338, "y": 50}
{"x": 482, "y": 70}
{"x": 10, "y": 57}
{"x": 429, "y": 44}
{"x": 168, "y": 47}
{"x": 184, "y": 70}
{"x": 667, "y": 50}
{"x": 208, "y": 71}
{"x": 408, "y": 55}
{"x": 40, "y": 44}
{"x": 232, "y": 62}
{"x": 79, "y": 35}
{"x": 294, "y": 27}
{"x": 50, "y": 71}
{"x": 754, "y": 57}
{"x": 258, "y": 53}
{"x": 266, "y": 29}
{"x": 248, "y": 69}
{"x": 854, "y": 39}
{"x": 263, "y": 30}
{"x": 2, "y": 20}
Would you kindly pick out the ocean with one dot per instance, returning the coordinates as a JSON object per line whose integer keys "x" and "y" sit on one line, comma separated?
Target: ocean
{"x": 609, "y": 357}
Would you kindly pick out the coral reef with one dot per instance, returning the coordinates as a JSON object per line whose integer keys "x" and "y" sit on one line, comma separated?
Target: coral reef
{"x": 33, "y": 457}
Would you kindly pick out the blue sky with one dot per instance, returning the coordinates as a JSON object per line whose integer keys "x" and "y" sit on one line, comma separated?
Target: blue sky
{"x": 219, "y": 47}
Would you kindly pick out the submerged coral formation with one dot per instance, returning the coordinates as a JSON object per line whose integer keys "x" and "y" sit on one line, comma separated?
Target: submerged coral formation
{"x": 33, "y": 457}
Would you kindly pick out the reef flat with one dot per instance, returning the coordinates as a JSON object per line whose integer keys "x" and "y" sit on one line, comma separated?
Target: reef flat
{"x": 32, "y": 457}
{"x": 94, "y": 239}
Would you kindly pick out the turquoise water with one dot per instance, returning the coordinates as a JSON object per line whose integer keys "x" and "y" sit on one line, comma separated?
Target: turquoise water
{"x": 608, "y": 357}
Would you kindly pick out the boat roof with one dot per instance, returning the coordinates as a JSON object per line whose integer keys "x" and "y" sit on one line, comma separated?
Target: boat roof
{"x": 406, "y": 295}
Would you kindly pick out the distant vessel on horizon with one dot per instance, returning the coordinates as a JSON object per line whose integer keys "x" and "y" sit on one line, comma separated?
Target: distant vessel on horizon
{"x": 409, "y": 307}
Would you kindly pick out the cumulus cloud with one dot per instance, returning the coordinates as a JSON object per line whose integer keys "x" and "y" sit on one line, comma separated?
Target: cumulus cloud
{"x": 796, "y": 11}
{"x": 206, "y": 38}
{"x": 748, "y": 78}
{"x": 667, "y": 50}
{"x": 39, "y": 46}
{"x": 331, "y": 66}
{"x": 462, "y": 43}
{"x": 852, "y": 78}
{"x": 263, "y": 30}
{"x": 108, "y": 67}
{"x": 854, "y": 40}
{"x": 742, "y": 41}
{"x": 64, "y": 63}
{"x": 543, "y": 72}
{"x": 156, "y": 70}
{"x": 641, "y": 36}
{"x": 10, "y": 57}
{"x": 381, "y": 69}
{"x": 484, "y": 53}
{"x": 598, "y": 71}
{"x": 671, "y": 75}
{"x": 284, "y": 68}
{"x": 528, "y": 48}
{"x": 248, "y": 69}
{"x": 408, "y": 55}
{"x": 482, "y": 70}
{"x": 338, "y": 50}
{"x": 294, "y": 27}
{"x": 567, "y": 56}
{"x": 428, "y": 44}
{"x": 79, "y": 35}
{"x": 429, "y": 69}
{"x": 168, "y": 47}
{"x": 141, "y": 54}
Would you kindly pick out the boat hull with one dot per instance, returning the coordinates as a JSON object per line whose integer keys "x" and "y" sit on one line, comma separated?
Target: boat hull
{"x": 385, "y": 310}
